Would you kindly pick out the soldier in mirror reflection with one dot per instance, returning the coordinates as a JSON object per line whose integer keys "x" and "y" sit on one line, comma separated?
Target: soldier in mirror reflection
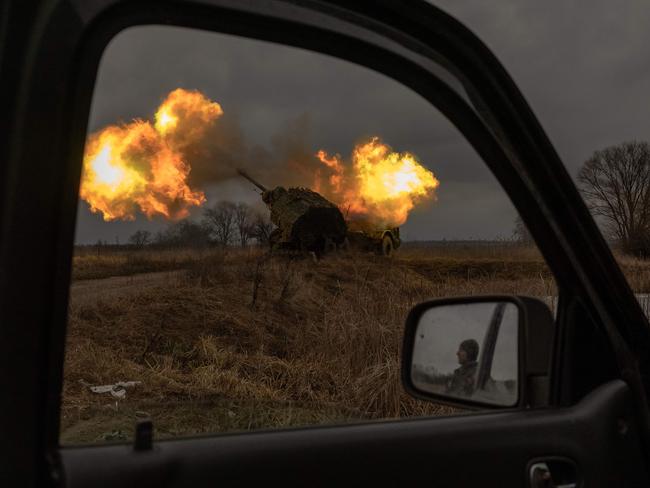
{"x": 462, "y": 381}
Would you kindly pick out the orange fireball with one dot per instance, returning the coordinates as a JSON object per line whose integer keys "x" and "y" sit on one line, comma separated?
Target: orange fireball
{"x": 381, "y": 186}
{"x": 140, "y": 166}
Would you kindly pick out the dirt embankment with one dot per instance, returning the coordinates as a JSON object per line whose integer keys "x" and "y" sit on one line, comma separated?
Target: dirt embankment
{"x": 243, "y": 340}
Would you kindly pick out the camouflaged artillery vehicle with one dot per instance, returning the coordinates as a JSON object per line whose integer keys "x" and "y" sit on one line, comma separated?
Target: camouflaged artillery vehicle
{"x": 305, "y": 220}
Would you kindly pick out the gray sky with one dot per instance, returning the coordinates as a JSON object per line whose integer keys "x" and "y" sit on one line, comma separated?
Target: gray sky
{"x": 581, "y": 65}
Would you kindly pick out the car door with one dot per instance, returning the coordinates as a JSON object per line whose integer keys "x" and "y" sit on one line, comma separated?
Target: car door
{"x": 594, "y": 415}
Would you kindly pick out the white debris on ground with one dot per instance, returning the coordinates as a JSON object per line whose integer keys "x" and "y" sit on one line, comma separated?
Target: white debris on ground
{"x": 117, "y": 390}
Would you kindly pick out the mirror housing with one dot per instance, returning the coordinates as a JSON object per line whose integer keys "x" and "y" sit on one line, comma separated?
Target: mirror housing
{"x": 535, "y": 330}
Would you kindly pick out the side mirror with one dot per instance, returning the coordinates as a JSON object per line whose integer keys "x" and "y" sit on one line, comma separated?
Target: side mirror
{"x": 484, "y": 351}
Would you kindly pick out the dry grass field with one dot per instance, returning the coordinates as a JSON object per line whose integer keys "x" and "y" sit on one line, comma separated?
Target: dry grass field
{"x": 238, "y": 339}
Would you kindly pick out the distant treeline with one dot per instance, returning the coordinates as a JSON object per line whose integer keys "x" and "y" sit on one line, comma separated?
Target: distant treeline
{"x": 225, "y": 224}
{"x": 456, "y": 243}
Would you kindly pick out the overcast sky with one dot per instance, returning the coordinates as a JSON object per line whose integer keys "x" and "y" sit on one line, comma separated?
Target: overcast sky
{"x": 583, "y": 67}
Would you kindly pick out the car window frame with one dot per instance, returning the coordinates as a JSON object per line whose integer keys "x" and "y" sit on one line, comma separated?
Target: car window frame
{"x": 501, "y": 128}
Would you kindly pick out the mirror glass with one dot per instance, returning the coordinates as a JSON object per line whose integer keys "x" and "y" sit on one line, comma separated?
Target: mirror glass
{"x": 468, "y": 351}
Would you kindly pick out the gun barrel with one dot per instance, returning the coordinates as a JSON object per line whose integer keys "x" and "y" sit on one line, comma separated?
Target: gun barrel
{"x": 247, "y": 176}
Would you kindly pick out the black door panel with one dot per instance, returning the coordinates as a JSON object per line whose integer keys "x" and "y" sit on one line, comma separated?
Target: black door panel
{"x": 493, "y": 449}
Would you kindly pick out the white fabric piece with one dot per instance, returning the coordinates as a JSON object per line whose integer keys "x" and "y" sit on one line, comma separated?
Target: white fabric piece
{"x": 117, "y": 390}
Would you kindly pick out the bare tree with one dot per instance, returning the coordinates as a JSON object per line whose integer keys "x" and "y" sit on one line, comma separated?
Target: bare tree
{"x": 261, "y": 230}
{"x": 521, "y": 232}
{"x": 616, "y": 185}
{"x": 221, "y": 221}
{"x": 185, "y": 233}
{"x": 243, "y": 222}
{"x": 140, "y": 238}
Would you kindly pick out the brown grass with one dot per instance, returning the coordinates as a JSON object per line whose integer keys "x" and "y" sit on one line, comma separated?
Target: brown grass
{"x": 104, "y": 263}
{"x": 244, "y": 340}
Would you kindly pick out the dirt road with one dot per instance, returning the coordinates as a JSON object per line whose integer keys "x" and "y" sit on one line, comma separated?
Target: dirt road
{"x": 87, "y": 291}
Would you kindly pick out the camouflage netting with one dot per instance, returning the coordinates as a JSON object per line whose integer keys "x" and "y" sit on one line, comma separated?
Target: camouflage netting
{"x": 305, "y": 219}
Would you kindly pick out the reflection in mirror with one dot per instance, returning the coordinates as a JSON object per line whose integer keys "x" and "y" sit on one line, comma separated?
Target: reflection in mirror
{"x": 468, "y": 351}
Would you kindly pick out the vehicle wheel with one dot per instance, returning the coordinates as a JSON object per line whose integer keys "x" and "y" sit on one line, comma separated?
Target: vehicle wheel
{"x": 274, "y": 238}
{"x": 345, "y": 245}
{"x": 329, "y": 246}
{"x": 387, "y": 246}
